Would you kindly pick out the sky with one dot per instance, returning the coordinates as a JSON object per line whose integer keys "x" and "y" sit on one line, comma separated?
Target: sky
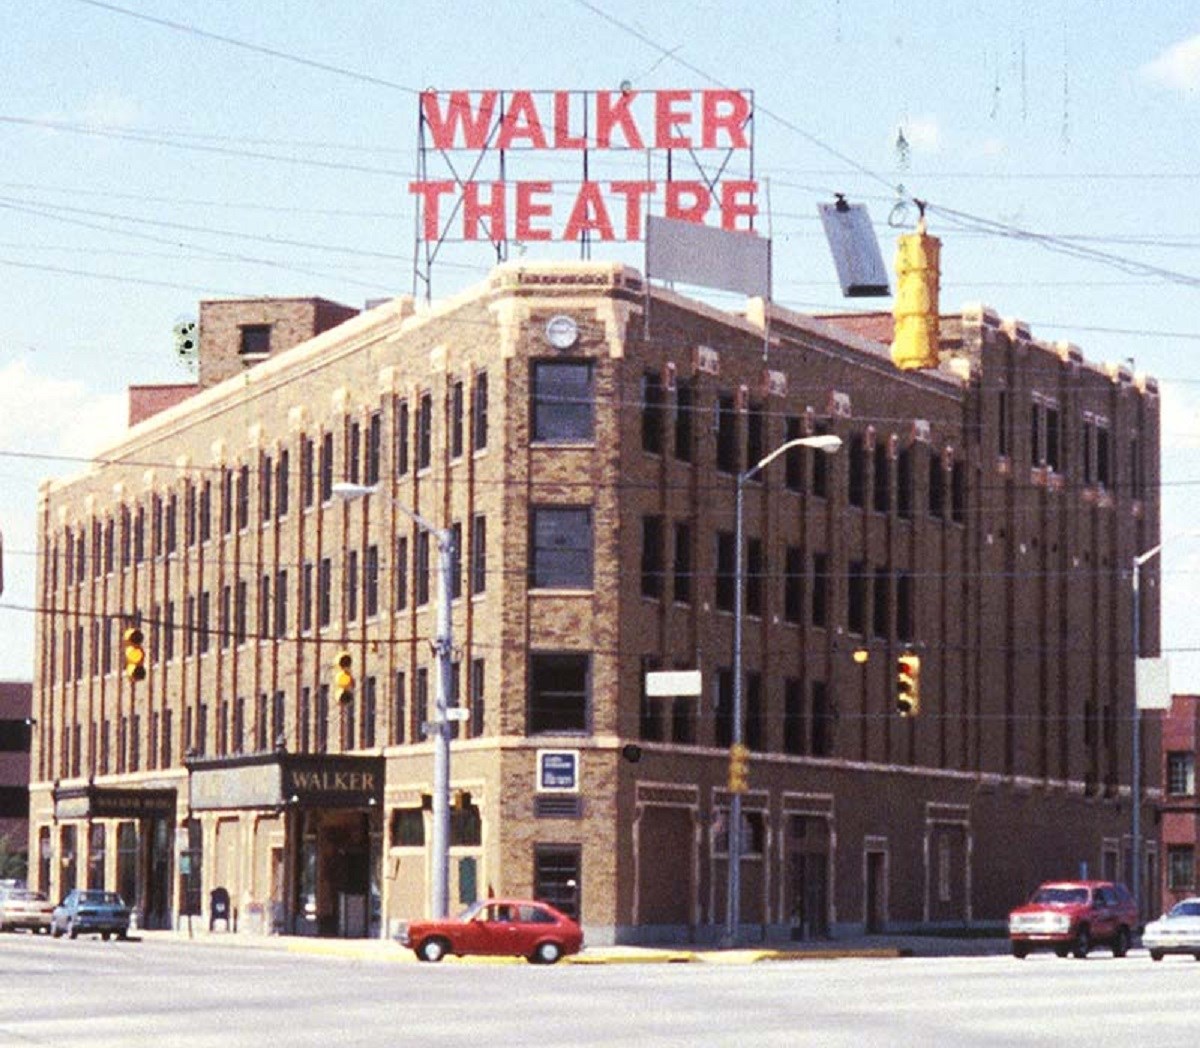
{"x": 160, "y": 152}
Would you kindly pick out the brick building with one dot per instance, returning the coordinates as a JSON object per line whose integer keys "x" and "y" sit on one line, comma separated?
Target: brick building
{"x": 1179, "y": 811}
{"x": 580, "y": 435}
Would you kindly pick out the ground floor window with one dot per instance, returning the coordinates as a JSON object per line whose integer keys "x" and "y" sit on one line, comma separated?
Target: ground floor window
{"x": 1181, "y": 867}
{"x": 96, "y": 850}
{"x": 127, "y": 863}
{"x": 556, "y": 876}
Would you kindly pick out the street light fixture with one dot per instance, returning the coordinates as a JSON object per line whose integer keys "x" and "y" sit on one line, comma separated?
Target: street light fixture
{"x": 829, "y": 443}
{"x": 439, "y": 728}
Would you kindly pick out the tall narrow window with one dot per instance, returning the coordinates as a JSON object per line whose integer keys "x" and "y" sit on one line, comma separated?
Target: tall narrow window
{"x": 652, "y": 556}
{"x": 326, "y": 466}
{"x": 352, "y": 585}
{"x": 421, "y": 568}
{"x": 653, "y": 404}
{"x": 371, "y": 582}
{"x": 756, "y": 573}
{"x": 820, "y": 589}
{"x": 684, "y": 407}
{"x": 904, "y": 483}
{"x": 281, "y": 591}
{"x": 353, "y": 453}
{"x": 856, "y": 598}
{"x": 401, "y": 438}
{"x": 400, "y": 574}
{"x": 882, "y": 479}
{"x": 374, "y": 448}
{"x": 456, "y": 420}
{"x": 425, "y": 431}
{"x": 856, "y": 464}
{"x": 266, "y": 480}
{"x": 399, "y": 708}
{"x": 479, "y": 554}
{"x": 479, "y": 412}
{"x": 793, "y": 585}
{"x": 793, "y": 461}
{"x": 456, "y": 558}
{"x": 937, "y": 485}
{"x": 682, "y": 573}
{"x": 308, "y": 485}
{"x": 726, "y": 424}
{"x": 477, "y": 697}
{"x": 281, "y": 483}
{"x": 324, "y": 592}
{"x": 756, "y": 434}
{"x": 726, "y": 568}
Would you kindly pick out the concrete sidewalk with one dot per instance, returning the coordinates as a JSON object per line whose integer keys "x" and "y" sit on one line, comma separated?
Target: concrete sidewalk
{"x": 388, "y": 951}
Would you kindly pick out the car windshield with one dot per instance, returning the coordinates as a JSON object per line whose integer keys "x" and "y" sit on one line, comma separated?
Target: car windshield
{"x": 1188, "y": 908}
{"x": 105, "y": 898}
{"x": 1060, "y": 896}
{"x": 28, "y": 896}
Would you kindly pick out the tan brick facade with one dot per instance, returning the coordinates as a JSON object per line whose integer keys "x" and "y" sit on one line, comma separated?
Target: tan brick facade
{"x": 943, "y": 526}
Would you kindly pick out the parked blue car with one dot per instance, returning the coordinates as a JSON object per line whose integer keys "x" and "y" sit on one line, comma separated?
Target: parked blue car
{"x": 91, "y": 912}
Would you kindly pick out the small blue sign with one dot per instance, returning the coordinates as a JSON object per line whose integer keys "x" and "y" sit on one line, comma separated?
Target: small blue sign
{"x": 558, "y": 770}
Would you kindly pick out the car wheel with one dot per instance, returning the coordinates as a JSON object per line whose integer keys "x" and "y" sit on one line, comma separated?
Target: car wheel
{"x": 1083, "y": 943}
{"x": 432, "y": 950}
{"x": 1062, "y": 951}
{"x": 1157, "y": 955}
{"x": 72, "y": 931}
{"x": 1120, "y": 946}
{"x": 106, "y": 936}
{"x": 546, "y": 953}
{"x": 1020, "y": 950}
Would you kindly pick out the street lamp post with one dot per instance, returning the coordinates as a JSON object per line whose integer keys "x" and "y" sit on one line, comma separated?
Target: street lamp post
{"x": 439, "y": 727}
{"x": 828, "y": 443}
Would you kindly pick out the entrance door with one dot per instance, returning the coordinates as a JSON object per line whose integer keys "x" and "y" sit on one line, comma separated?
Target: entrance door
{"x": 157, "y": 911}
{"x": 808, "y": 877}
{"x": 343, "y": 875}
{"x": 876, "y": 886}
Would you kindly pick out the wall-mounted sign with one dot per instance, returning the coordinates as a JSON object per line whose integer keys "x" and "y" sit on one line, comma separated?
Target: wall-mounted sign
{"x": 557, "y": 771}
{"x": 682, "y": 144}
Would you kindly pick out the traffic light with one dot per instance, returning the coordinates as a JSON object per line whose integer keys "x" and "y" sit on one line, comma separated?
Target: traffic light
{"x": 739, "y": 768}
{"x": 915, "y": 335}
{"x": 908, "y": 684}
{"x": 135, "y": 654}
{"x": 343, "y": 676}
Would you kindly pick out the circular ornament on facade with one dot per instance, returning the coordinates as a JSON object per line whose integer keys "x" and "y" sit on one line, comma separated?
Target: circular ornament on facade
{"x": 561, "y": 332}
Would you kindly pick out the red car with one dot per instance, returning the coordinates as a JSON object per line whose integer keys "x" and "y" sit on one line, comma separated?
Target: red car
{"x": 497, "y": 928}
{"x": 1072, "y": 916}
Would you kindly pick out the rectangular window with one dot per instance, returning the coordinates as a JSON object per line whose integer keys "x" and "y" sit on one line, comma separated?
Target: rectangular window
{"x": 820, "y": 467}
{"x": 401, "y": 438}
{"x": 304, "y": 727}
{"x": 958, "y": 492}
{"x": 225, "y": 620}
{"x": 254, "y": 340}
{"x": 1052, "y": 434}
{"x": 653, "y": 407}
{"x": 477, "y": 697}
{"x": 171, "y": 523}
{"x": 684, "y": 407}
{"x": 560, "y": 556}
{"x": 793, "y": 716}
{"x": 206, "y": 511}
{"x": 756, "y": 433}
{"x": 226, "y": 501}
{"x": 856, "y": 598}
{"x": 243, "y": 498}
{"x": 1003, "y": 424}
{"x": 260, "y": 723}
{"x": 820, "y": 589}
{"x": 371, "y": 582}
{"x": 1181, "y": 774}
{"x": 558, "y": 693}
{"x": 682, "y": 573}
{"x": 856, "y": 463}
{"x": 306, "y": 597}
{"x": 793, "y": 459}
{"x": 562, "y": 401}
{"x": 351, "y": 595}
{"x": 457, "y": 408}
{"x": 324, "y": 592}
{"x": 420, "y": 702}
{"x": 139, "y": 536}
{"x": 425, "y": 431}
{"x": 905, "y": 607}
{"x": 726, "y": 570}
{"x": 793, "y": 585}
{"x": 421, "y": 568}
{"x": 202, "y": 626}
{"x": 281, "y": 603}
{"x": 937, "y": 485}
{"x": 882, "y": 500}
{"x": 558, "y": 877}
{"x": 1102, "y": 462}
{"x": 240, "y": 611}
{"x": 478, "y": 554}
{"x": 308, "y": 478}
{"x": 369, "y": 712}
{"x": 399, "y": 708}
{"x": 407, "y": 829}
{"x": 904, "y": 483}
{"x": 281, "y": 483}
{"x": 723, "y": 716}
{"x": 321, "y": 720}
{"x": 326, "y": 467}
{"x": 822, "y": 721}
{"x": 1181, "y": 867}
{"x": 237, "y": 740}
{"x": 266, "y": 481}
{"x": 479, "y": 412}
{"x": 653, "y": 557}
{"x": 400, "y": 574}
{"x": 278, "y": 720}
{"x": 756, "y": 573}
{"x": 456, "y": 560}
{"x": 754, "y": 711}
{"x": 726, "y": 427}
{"x": 374, "y": 448}
{"x": 353, "y": 453}
{"x": 168, "y": 632}
{"x": 880, "y": 618}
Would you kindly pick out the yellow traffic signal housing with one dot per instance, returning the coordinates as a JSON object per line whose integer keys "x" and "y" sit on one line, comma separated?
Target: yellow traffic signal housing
{"x": 739, "y": 768}
{"x": 135, "y": 654}
{"x": 915, "y": 336}
{"x": 908, "y": 684}
{"x": 343, "y": 676}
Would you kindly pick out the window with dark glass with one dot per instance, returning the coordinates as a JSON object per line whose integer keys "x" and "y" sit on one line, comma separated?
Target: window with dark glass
{"x": 1181, "y": 773}
{"x": 407, "y": 828}
{"x": 399, "y": 707}
{"x": 281, "y": 483}
{"x": 684, "y": 407}
{"x": 560, "y": 556}
{"x": 793, "y": 585}
{"x": 254, "y": 340}
{"x": 726, "y": 569}
{"x": 756, "y": 434}
{"x": 171, "y": 529}
{"x": 723, "y": 716}
{"x": 793, "y": 458}
{"x": 308, "y": 480}
{"x": 205, "y": 511}
{"x": 456, "y": 559}
{"x": 456, "y": 420}
{"x": 203, "y": 628}
{"x": 321, "y": 720}
{"x": 190, "y": 532}
{"x": 823, "y": 721}
{"x": 281, "y": 591}
{"x": 882, "y": 478}
{"x": 374, "y": 448}
{"x": 425, "y": 431}
{"x": 558, "y": 877}
{"x": 653, "y": 555}
{"x": 400, "y": 574}
{"x": 653, "y": 412}
{"x": 369, "y": 713}
{"x": 820, "y": 589}
{"x": 278, "y": 719}
{"x": 420, "y": 702}
{"x": 421, "y": 568}
{"x": 904, "y": 483}
{"x": 326, "y": 467}
{"x": 479, "y": 412}
{"x": 958, "y": 491}
{"x": 241, "y": 611}
{"x": 726, "y": 425}
{"x": 1102, "y": 463}
{"x": 266, "y": 480}
{"x": 682, "y": 572}
{"x": 856, "y": 463}
{"x": 226, "y": 500}
{"x": 371, "y": 582}
{"x": 563, "y": 397}
{"x": 754, "y": 711}
{"x": 353, "y": 453}
{"x": 558, "y": 692}
{"x": 478, "y": 567}
{"x": 794, "y": 726}
{"x": 324, "y": 592}
{"x": 243, "y": 498}
{"x": 264, "y": 607}
{"x": 882, "y": 593}
{"x": 905, "y": 629}
{"x": 225, "y": 624}
{"x": 478, "y": 697}
{"x": 756, "y": 572}
{"x": 856, "y": 597}
{"x": 401, "y": 438}
{"x": 937, "y": 485}
{"x": 352, "y": 585}
{"x": 306, "y": 597}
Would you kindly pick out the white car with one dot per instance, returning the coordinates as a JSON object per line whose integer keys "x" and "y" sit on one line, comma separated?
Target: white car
{"x": 1177, "y": 931}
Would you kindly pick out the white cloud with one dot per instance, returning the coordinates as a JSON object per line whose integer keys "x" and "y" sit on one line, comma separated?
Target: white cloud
{"x": 40, "y": 413}
{"x": 1178, "y": 67}
{"x": 1180, "y": 417}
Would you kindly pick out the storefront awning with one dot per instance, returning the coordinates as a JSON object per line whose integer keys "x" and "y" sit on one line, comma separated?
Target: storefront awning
{"x": 276, "y": 780}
